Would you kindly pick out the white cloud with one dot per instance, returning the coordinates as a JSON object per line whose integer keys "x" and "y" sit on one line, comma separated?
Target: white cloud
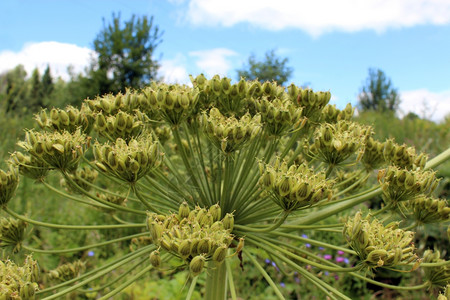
{"x": 174, "y": 70}
{"x": 213, "y": 61}
{"x": 426, "y": 104}
{"x": 38, "y": 55}
{"x": 319, "y": 16}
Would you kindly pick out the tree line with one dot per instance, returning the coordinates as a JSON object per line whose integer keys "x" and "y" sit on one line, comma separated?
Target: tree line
{"x": 125, "y": 59}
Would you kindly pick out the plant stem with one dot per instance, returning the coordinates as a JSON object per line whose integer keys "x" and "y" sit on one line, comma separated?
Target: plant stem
{"x": 264, "y": 274}
{"x": 191, "y": 288}
{"x": 77, "y": 227}
{"x": 265, "y": 229}
{"x": 393, "y": 287}
{"x": 216, "y": 281}
{"x": 56, "y": 251}
{"x": 230, "y": 279}
{"x": 127, "y": 283}
{"x": 99, "y": 274}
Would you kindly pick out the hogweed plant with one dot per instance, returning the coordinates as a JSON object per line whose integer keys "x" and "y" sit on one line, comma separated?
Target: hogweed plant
{"x": 215, "y": 172}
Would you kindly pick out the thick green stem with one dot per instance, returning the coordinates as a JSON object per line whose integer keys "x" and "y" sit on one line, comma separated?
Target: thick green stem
{"x": 216, "y": 282}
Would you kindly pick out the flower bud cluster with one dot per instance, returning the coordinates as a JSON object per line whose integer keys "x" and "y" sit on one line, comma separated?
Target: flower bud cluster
{"x": 195, "y": 235}
{"x": 278, "y": 116}
{"x": 111, "y": 199}
{"x": 60, "y": 150}
{"x": 427, "y": 210}
{"x": 269, "y": 90}
{"x": 19, "y": 282}
{"x": 67, "y": 271}
{"x": 12, "y": 233}
{"x": 121, "y": 125}
{"x": 219, "y": 92}
{"x": 402, "y": 184}
{"x": 373, "y": 154}
{"x": 330, "y": 114}
{"x": 80, "y": 176}
{"x": 438, "y": 276}
{"x": 69, "y": 119}
{"x": 335, "y": 143}
{"x": 29, "y": 166}
{"x": 403, "y": 156}
{"x": 8, "y": 184}
{"x": 128, "y": 161}
{"x": 294, "y": 187}
{"x": 312, "y": 102}
{"x": 173, "y": 102}
{"x": 229, "y": 134}
{"x": 112, "y": 104}
{"x": 378, "y": 245}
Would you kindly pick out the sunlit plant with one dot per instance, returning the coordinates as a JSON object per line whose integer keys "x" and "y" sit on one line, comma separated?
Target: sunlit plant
{"x": 215, "y": 172}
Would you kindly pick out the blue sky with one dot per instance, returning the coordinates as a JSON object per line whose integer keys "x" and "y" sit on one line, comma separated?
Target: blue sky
{"x": 330, "y": 44}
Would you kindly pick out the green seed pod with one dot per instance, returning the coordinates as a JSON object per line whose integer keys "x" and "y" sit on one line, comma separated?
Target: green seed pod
{"x": 216, "y": 212}
{"x": 183, "y": 211}
{"x": 196, "y": 265}
{"x": 220, "y": 254}
{"x": 184, "y": 250}
{"x": 228, "y": 221}
{"x": 204, "y": 246}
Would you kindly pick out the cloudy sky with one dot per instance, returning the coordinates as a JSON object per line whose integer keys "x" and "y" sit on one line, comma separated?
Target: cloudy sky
{"x": 330, "y": 44}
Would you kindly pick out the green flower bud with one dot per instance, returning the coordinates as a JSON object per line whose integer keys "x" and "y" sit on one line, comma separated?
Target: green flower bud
{"x": 196, "y": 265}
{"x": 220, "y": 254}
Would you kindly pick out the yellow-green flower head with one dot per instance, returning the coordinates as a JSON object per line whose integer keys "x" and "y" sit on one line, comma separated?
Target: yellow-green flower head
{"x": 278, "y": 116}
{"x": 9, "y": 181}
{"x": 438, "y": 276}
{"x": 335, "y": 143}
{"x": 29, "y": 166}
{"x": 69, "y": 119}
{"x": 311, "y": 102}
{"x": 427, "y": 210}
{"x": 128, "y": 161}
{"x": 378, "y": 245}
{"x": 121, "y": 125}
{"x": 67, "y": 271}
{"x": 83, "y": 177}
{"x": 373, "y": 154}
{"x": 403, "y": 156}
{"x": 129, "y": 102}
{"x": 19, "y": 282}
{"x": 294, "y": 187}
{"x": 60, "y": 150}
{"x": 174, "y": 103}
{"x": 331, "y": 114}
{"x": 192, "y": 233}
{"x": 12, "y": 233}
{"x": 402, "y": 184}
{"x": 229, "y": 134}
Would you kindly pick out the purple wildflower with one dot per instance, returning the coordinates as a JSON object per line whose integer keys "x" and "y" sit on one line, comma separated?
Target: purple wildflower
{"x": 282, "y": 284}
{"x": 308, "y": 245}
{"x": 340, "y": 252}
{"x": 267, "y": 261}
{"x": 304, "y": 236}
{"x": 340, "y": 259}
{"x": 91, "y": 253}
{"x": 327, "y": 256}
{"x": 321, "y": 248}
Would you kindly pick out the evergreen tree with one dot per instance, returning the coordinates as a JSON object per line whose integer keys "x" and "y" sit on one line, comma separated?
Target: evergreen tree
{"x": 47, "y": 83}
{"x": 378, "y": 93}
{"x": 272, "y": 68}
{"x": 36, "y": 92}
{"x": 15, "y": 89}
{"x": 125, "y": 54}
